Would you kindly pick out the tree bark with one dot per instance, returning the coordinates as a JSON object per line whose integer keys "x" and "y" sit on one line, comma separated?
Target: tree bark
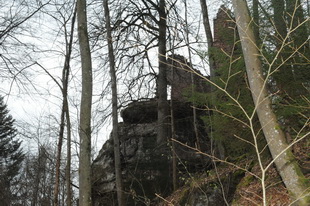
{"x": 117, "y": 158}
{"x": 206, "y": 24}
{"x": 66, "y": 82}
{"x": 68, "y": 166}
{"x": 256, "y": 20}
{"x": 212, "y": 65}
{"x": 195, "y": 122}
{"x": 285, "y": 162}
{"x": 279, "y": 20}
{"x": 65, "y": 116}
{"x": 173, "y": 136}
{"x": 58, "y": 158}
{"x": 162, "y": 81}
{"x": 85, "y": 108}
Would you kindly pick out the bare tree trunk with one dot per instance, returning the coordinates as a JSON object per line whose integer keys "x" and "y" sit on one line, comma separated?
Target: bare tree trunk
{"x": 294, "y": 180}
{"x": 58, "y": 158}
{"x": 206, "y": 24}
{"x": 162, "y": 81}
{"x": 279, "y": 20}
{"x": 195, "y": 123}
{"x": 210, "y": 40}
{"x": 36, "y": 186}
{"x": 174, "y": 156}
{"x": 173, "y": 136}
{"x": 68, "y": 166}
{"x": 256, "y": 20}
{"x": 64, "y": 115}
{"x": 172, "y": 120}
{"x": 117, "y": 158}
{"x": 85, "y": 109}
{"x": 66, "y": 81}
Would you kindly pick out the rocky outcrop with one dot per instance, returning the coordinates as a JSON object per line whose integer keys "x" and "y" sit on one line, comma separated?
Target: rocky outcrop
{"x": 183, "y": 78}
{"x": 140, "y": 112}
{"x": 147, "y": 166}
{"x": 212, "y": 188}
{"x": 224, "y": 31}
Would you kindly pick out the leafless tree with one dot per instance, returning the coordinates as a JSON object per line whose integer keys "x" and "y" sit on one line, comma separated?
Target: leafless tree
{"x": 85, "y": 110}
{"x": 116, "y": 142}
{"x": 284, "y": 160}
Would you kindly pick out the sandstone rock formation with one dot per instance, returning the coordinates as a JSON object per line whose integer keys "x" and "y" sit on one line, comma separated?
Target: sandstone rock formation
{"x": 147, "y": 166}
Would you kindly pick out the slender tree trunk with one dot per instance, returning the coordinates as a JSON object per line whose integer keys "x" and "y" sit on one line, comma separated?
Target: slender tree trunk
{"x": 210, "y": 40}
{"x": 279, "y": 20}
{"x": 308, "y": 7}
{"x": 174, "y": 156}
{"x": 117, "y": 158}
{"x": 162, "y": 81}
{"x": 58, "y": 158}
{"x": 195, "y": 123}
{"x": 173, "y": 136}
{"x": 66, "y": 81}
{"x": 68, "y": 166}
{"x": 172, "y": 120}
{"x": 285, "y": 162}
{"x": 34, "y": 200}
{"x": 85, "y": 109}
{"x": 256, "y": 20}
{"x": 206, "y": 24}
{"x": 64, "y": 115}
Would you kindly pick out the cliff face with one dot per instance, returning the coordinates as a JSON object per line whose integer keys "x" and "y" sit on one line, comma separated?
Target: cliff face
{"x": 147, "y": 166}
